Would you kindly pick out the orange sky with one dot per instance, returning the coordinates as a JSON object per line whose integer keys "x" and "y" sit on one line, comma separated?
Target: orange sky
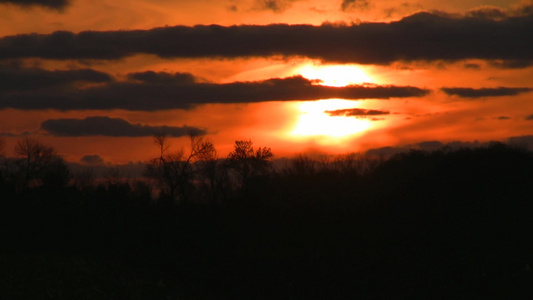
{"x": 408, "y": 72}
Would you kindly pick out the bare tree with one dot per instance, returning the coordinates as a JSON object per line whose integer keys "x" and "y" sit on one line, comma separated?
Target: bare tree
{"x": 212, "y": 175}
{"x": 39, "y": 164}
{"x": 176, "y": 171}
{"x": 160, "y": 168}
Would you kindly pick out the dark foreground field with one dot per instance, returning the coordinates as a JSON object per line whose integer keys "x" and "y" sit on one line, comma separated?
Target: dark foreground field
{"x": 441, "y": 225}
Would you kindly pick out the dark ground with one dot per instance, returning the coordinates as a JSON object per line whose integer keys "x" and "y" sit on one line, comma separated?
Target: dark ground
{"x": 441, "y": 225}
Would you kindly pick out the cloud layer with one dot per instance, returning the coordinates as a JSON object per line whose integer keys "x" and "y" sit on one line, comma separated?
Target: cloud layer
{"x": 16, "y": 78}
{"x": 158, "y": 91}
{"x": 347, "y": 5}
{"x": 54, "y": 4}
{"x": 356, "y": 112}
{"x": 276, "y": 6}
{"x": 485, "y": 92}
{"x": 422, "y": 36}
{"x": 93, "y": 159}
{"x": 115, "y": 127}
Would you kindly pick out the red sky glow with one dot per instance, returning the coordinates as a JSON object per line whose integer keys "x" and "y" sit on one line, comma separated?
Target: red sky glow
{"x": 100, "y": 77}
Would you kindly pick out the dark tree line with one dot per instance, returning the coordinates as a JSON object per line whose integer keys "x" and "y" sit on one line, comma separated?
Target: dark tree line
{"x": 198, "y": 173}
{"x": 34, "y": 164}
{"x": 194, "y": 173}
{"x": 444, "y": 224}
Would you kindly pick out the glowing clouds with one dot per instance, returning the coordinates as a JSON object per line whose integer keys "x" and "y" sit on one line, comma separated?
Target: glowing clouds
{"x": 315, "y": 121}
{"x": 336, "y": 75}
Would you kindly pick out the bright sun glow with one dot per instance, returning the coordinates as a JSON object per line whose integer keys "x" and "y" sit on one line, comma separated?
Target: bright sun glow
{"x": 338, "y": 75}
{"x": 314, "y": 121}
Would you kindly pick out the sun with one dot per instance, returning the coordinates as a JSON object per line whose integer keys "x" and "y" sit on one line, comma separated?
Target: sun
{"x": 314, "y": 121}
{"x": 335, "y": 75}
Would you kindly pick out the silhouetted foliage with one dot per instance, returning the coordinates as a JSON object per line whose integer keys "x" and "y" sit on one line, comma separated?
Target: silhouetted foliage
{"x": 246, "y": 164}
{"x": 443, "y": 224}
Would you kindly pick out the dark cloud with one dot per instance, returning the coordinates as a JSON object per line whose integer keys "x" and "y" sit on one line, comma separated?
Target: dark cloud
{"x": 530, "y": 117}
{"x": 53, "y": 4}
{"x": 276, "y": 6}
{"x": 356, "y": 112}
{"x": 18, "y": 78}
{"x": 15, "y": 134}
{"x": 422, "y": 36}
{"x": 162, "y": 77}
{"x": 472, "y": 66}
{"x": 170, "y": 93}
{"x": 501, "y": 118}
{"x": 116, "y": 127}
{"x": 511, "y": 64}
{"x": 354, "y": 5}
{"x": 488, "y": 12}
{"x": 485, "y": 92}
{"x": 402, "y": 9}
{"x": 92, "y": 160}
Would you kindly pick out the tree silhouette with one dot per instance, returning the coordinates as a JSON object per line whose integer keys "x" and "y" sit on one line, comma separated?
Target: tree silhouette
{"x": 84, "y": 179}
{"x": 247, "y": 163}
{"x": 39, "y": 164}
{"x": 2, "y": 164}
{"x": 301, "y": 165}
{"x": 175, "y": 171}
{"x": 2, "y": 147}
{"x": 211, "y": 175}
{"x": 441, "y": 224}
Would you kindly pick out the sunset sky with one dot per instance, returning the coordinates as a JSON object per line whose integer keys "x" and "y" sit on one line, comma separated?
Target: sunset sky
{"x": 96, "y": 78}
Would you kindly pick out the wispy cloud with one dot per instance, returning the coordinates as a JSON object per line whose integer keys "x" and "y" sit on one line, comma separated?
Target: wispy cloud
{"x": 356, "y": 112}
{"x": 92, "y": 159}
{"x": 276, "y": 6}
{"x": 485, "y": 92}
{"x": 502, "y": 118}
{"x": 354, "y": 4}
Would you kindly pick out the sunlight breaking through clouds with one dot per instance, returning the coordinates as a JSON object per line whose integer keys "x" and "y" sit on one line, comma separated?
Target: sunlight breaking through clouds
{"x": 335, "y": 75}
{"x": 315, "y": 121}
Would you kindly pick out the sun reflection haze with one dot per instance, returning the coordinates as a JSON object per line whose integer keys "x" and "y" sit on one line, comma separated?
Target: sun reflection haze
{"x": 314, "y": 121}
{"x": 335, "y": 75}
